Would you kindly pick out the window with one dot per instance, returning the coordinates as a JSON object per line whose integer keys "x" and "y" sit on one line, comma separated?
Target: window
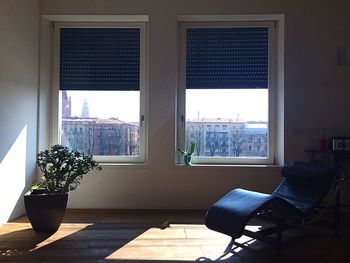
{"x": 100, "y": 79}
{"x": 226, "y": 79}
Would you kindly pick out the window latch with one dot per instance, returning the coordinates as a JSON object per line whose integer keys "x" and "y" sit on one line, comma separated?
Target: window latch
{"x": 182, "y": 121}
{"x": 142, "y": 119}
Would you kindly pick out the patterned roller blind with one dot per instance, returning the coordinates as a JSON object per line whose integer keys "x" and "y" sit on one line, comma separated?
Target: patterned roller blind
{"x": 99, "y": 58}
{"x": 226, "y": 58}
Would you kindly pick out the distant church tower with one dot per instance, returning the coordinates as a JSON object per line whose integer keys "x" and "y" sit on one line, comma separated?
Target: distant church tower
{"x": 66, "y": 105}
{"x": 85, "y": 110}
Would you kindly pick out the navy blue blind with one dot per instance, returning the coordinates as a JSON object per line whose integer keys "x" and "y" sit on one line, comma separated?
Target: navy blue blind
{"x": 227, "y": 58}
{"x": 99, "y": 58}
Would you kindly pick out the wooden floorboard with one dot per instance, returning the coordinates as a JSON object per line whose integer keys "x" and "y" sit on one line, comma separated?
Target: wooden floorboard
{"x": 159, "y": 236}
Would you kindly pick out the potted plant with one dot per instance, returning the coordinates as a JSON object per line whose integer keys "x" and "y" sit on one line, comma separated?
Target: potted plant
{"x": 187, "y": 154}
{"x": 62, "y": 169}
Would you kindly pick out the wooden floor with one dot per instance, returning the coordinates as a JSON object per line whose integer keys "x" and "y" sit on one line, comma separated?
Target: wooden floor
{"x": 159, "y": 236}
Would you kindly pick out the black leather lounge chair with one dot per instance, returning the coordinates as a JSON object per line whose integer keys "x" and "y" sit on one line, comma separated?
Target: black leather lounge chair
{"x": 296, "y": 201}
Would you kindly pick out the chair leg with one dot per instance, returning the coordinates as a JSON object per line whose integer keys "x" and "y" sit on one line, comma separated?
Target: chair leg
{"x": 228, "y": 249}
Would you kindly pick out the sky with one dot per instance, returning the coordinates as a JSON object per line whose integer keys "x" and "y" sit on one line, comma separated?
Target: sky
{"x": 246, "y": 104}
{"x": 123, "y": 105}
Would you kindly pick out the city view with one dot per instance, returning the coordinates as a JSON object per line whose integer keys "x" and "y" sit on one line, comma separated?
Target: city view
{"x": 86, "y": 129}
{"x": 99, "y": 134}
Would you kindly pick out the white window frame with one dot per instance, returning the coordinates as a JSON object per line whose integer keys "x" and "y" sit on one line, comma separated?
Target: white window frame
{"x": 269, "y": 21}
{"x": 100, "y": 22}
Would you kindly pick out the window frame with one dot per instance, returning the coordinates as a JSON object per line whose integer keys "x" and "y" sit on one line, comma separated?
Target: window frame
{"x": 143, "y": 116}
{"x": 269, "y": 21}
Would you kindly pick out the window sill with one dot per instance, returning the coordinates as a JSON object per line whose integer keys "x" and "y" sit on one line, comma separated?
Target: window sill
{"x": 229, "y": 166}
{"x": 124, "y": 165}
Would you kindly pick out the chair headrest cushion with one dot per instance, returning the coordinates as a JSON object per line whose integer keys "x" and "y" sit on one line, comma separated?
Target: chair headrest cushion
{"x": 305, "y": 170}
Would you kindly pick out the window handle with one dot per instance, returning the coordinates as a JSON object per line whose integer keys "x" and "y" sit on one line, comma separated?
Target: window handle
{"x": 182, "y": 119}
{"x": 142, "y": 119}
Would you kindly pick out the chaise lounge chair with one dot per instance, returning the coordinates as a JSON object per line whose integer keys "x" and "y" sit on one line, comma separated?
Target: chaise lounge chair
{"x": 296, "y": 201}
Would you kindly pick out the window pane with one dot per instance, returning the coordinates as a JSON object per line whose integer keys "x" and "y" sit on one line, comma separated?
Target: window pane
{"x": 227, "y": 122}
{"x": 101, "y": 122}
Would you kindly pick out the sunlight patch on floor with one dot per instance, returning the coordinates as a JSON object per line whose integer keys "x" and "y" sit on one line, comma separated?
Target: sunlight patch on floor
{"x": 180, "y": 242}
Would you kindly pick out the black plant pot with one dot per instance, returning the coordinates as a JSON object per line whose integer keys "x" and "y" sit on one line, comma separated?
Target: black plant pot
{"x": 45, "y": 211}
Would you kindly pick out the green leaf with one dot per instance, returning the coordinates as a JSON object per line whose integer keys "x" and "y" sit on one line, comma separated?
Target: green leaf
{"x": 193, "y": 147}
{"x": 183, "y": 152}
{"x": 35, "y": 187}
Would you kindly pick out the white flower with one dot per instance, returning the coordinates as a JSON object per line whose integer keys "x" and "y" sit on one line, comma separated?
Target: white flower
{"x": 49, "y": 167}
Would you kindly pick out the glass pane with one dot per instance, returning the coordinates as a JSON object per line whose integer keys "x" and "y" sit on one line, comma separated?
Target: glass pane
{"x": 227, "y": 122}
{"x": 100, "y": 122}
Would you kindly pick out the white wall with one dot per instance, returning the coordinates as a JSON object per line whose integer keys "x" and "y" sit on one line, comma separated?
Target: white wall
{"x": 316, "y": 96}
{"x": 19, "y": 51}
